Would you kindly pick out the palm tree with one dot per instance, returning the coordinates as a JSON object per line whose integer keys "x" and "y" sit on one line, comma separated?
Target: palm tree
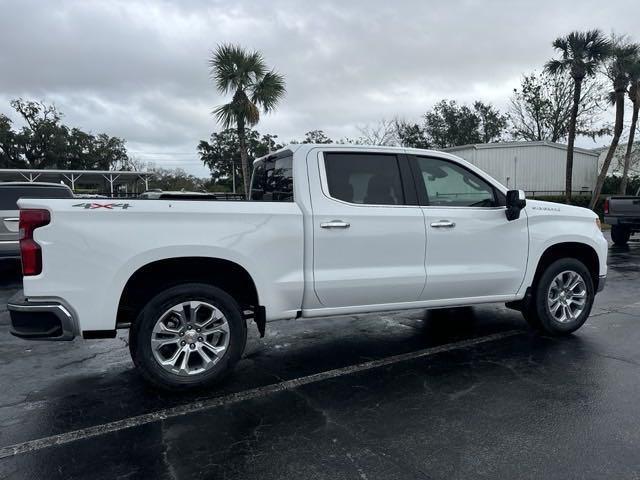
{"x": 634, "y": 96}
{"x": 620, "y": 64}
{"x": 254, "y": 87}
{"x": 581, "y": 53}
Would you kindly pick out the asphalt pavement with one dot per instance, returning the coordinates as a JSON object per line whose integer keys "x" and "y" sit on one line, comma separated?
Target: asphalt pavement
{"x": 458, "y": 393}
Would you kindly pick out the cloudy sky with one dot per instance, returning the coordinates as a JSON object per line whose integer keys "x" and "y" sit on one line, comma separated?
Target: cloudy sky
{"x": 138, "y": 69}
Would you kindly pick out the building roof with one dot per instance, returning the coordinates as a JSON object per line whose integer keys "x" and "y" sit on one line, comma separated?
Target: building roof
{"x": 54, "y": 176}
{"x": 481, "y": 146}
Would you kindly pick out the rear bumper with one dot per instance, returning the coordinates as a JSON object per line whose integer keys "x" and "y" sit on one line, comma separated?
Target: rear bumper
{"x": 602, "y": 280}
{"x": 44, "y": 320}
{"x": 627, "y": 221}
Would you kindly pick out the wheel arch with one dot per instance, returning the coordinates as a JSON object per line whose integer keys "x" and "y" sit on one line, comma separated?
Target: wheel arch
{"x": 583, "y": 252}
{"x": 153, "y": 277}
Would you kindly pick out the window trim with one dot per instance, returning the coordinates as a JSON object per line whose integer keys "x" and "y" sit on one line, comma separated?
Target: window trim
{"x": 421, "y": 189}
{"x": 407, "y": 182}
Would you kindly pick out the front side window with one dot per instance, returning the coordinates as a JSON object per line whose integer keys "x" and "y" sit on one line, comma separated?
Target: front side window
{"x": 365, "y": 178}
{"x": 450, "y": 185}
{"x": 273, "y": 180}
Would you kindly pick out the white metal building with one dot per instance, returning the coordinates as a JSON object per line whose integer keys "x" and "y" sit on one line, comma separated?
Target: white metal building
{"x": 536, "y": 167}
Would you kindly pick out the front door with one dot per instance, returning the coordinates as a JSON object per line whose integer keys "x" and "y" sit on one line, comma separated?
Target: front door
{"x": 472, "y": 249}
{"x": 368, "y": 242}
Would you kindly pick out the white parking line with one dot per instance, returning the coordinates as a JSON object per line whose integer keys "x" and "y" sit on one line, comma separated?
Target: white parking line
{"x": 147, "y": 418}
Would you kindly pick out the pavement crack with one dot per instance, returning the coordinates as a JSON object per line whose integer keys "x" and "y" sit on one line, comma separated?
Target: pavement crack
{"x": 79, "y": 361}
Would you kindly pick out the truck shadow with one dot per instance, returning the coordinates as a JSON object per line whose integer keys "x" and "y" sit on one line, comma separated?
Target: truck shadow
{"x": 103, "y": 384}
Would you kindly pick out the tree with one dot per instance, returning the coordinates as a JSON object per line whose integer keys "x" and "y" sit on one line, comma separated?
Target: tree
{"x": 45, "y": 142}
{"x": 245, "y": 75}
{"x": 316, "y": 136}
{"x": 9, "y": 151}
{"x": 382, "y": 133}
{"x": 174, "y": 180}
{"x": 541, "y": 108}
{"x": 222, "y": 154}
{"x": 634, "y": 96}
{"x": 581, "y": 53}
{"x": 42, "y": 141}
{"x": 411, "y": 135}
{"x": 449, "y": 124}
{"x": 622, "y": 61}
{"x": 492, "y": 122}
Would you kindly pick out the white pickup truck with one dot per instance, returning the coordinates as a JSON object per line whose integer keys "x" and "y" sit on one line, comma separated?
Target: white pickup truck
{"x": 328, "y": 230}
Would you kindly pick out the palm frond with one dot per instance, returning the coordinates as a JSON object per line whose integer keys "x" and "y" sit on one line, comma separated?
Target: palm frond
{"x": 268, "y": 91}
{"x": 561, "y": 45}
{"x": 225, "y": 115}
{"x": 623, "y": 62}
{"x": 232, "y": 67}
{"x": 556, "y": 66}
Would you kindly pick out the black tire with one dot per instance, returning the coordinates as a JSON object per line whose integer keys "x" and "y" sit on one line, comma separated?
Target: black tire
{"x": 538, "y": 313}
{"x": 141, "y": 332}
{"x": 620, "y": 235}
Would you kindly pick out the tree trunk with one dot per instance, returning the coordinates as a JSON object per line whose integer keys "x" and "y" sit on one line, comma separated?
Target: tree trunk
{"x": 244, "y": 156}
{"x": 617, "y": 131}
{"x": 627, "y": 155}
{"x": 577, "y": 88}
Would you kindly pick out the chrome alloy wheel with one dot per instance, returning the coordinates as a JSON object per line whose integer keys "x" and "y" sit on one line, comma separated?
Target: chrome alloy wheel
{"x": 567, "y": 296}
{"x": 190, "y": 338}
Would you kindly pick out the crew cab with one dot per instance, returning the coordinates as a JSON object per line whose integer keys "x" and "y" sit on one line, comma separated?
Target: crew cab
{"x": 327, "y": 230}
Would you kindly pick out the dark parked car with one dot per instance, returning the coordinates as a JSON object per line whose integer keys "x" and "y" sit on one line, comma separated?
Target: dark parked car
{"x": 10, "y": 192}
{"x": 623, "y": 214}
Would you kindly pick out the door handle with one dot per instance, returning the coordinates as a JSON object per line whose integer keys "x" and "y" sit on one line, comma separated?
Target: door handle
{"x": 11, "y": 219}
{"x": 443, "y": 224}
{"x": 335, "y": 224}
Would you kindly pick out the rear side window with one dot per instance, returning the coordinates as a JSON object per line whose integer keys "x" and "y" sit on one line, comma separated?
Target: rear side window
{"x": 272, "y": 180}
{"x": 366, "y": 178}
{"x": 9, "y": 195}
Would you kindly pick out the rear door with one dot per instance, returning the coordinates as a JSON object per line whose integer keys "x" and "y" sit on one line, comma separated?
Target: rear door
{"x": 368, "y": 231}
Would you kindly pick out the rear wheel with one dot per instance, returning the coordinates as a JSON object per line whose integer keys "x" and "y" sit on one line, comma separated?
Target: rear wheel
{"x": 188, "y": 336}
{"x": 562, "y": 298}
{"x": 620, "y": 235}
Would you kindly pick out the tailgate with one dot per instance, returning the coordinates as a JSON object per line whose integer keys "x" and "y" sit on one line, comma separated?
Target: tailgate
{"x": 624, "y": 206}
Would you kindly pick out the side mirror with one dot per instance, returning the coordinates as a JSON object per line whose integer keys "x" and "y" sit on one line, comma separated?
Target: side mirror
{"x": 516, "y": 201}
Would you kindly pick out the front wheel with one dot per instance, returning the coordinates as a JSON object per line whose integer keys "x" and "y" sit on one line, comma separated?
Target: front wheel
{"x": 562, "y": 298}
{"x": 188, "y": 336}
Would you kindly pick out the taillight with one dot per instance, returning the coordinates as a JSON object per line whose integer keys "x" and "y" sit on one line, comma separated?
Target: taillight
{"x": 606, "y": 206}
{"x": 30, "y": 251}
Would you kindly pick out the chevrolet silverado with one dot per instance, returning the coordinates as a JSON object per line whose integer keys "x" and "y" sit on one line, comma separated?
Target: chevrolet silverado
{"x": 327, "y": 230}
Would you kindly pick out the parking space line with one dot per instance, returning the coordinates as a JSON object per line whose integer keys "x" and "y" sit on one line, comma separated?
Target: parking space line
{"x": 198, "y": 406}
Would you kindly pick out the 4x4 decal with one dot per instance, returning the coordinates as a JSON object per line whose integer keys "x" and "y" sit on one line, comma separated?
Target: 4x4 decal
{"x": 108, "y": 206}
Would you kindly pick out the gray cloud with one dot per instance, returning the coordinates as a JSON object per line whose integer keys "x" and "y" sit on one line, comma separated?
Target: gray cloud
{"x": 138, "y": 69}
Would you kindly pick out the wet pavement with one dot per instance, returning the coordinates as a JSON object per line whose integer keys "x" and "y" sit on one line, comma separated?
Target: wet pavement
{"x": 458, "y": 393}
